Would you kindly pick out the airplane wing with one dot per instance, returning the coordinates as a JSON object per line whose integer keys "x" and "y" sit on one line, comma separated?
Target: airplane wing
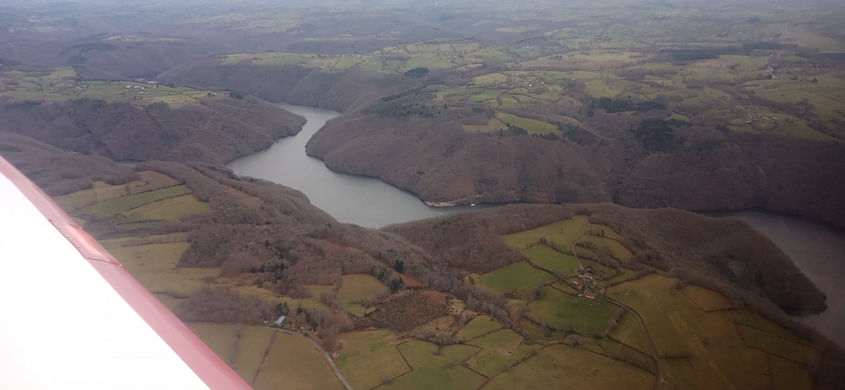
{"x": 72, "y": 317}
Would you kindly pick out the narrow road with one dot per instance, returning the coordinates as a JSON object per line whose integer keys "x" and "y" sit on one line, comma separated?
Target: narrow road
{"x": 574, "y": 250}
{"x": 659, "y": 375}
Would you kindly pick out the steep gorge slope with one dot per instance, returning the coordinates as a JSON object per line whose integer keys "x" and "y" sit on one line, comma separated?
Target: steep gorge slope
{"x": 217, "y": 129}
{"x": 441, "y": 162}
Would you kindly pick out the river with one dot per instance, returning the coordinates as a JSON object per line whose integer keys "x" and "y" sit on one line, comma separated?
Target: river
{"x": 354, "y": 199}
{"x": 817, "y": 250}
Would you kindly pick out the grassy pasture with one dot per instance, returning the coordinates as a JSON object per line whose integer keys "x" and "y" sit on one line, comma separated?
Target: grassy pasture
{"x": 617, "y": 250}
{"x": 500, "y": 350}
{"x": 777, "y": 123}
{"x": 478, "y": 326}
{"x": 683, "y": 374}
{"x": 538, "y": 333}
{"x": 567, "y": 368}
{"x": 563, "y": 233}
{"x": 584, "y": 315}
{"x": 171, "y": 209}
{"x": 622, "y": 352}
{"x": 631, "y": 333}
{"x": 151, "y": 180}
{"x": 604, "y": 231}
{"x": 316, "y": 290}
{"x": 358, "y": 309}
{"x": 436, "y": 368}
{"x": 774, "y": 345}
{"x": 530, "y": 125}
{"x": 550, "y": 259}
{"x": 718, "y": 355}
{"x": 493, "y": 125}
{"x": 105, "y": 191}
{"x": 355, "y": 287}
{"x": 753, "y": 320}
{"x": 219, "y": 337}
{"x": 76, "y": 200}
{"x": 154, "y": 266}
{"x": 125, "y": 203}
{"x": 293, "y": 363}
{"x": 585, "y": 61}
{"x": 147, "y": 240}
{"x": 61, "y": 84}
{"x": 100, "y": 191}
{"x": 810, "y": 39}
{"x": 519, "y": 277}
{"x": 394, "y": 59}
{"x": 788, "y": 375}
{"x": 312, "y": 302}
{"x": 707, "y": 300}
{"x": 367, "y": 357}
{"x": 825, "y": 95}
{"x": 654, "y": 299}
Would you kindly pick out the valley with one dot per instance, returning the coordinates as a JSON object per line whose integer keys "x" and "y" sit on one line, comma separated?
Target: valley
{"x": 408, "y": 195}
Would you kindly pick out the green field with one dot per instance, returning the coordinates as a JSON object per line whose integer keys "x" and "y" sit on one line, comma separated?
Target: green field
{"x": 532, "y": 126}
{"x": 571, "y": 368}
{"x": 171, "y": 209}
{"x": 61, "y": 84}
{"x": 370, "y": 358}
{"x": 501, "y": 350}
{"x": 155, "y": 266}
{"x": 219, "y": 337}
{"x": 356, "y": 287}
{"x": 393, "y": 59}
{"x": 252, "y": 345}
{"x": 631, "y": 333}
{"x": 721, "y": 352}
{"x": 293, "y": 363}
{"x": 788, "y": 375}
{"x": 563, "y": 233}
{"x": 623, "y": 353}
{"x": 616, "y": 249}
{"x": 435, "y": 367}
{"x": 520, "y": 278}
{"x": 478, "y": 326}
{"x": 707, "y": 300}
{"x": 550, "y": 259}
{"x": 756, "y": 338}
{"x": 563, "y": 311}
{"x": 100, "y": 192}
{"x": 125, "y": 203}
{"x": 76, "y": 200}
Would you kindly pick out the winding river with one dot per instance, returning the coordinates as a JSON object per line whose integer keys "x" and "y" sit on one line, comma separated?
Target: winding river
{"x": 817, "y": 250}
{"x": 348, "y": 198}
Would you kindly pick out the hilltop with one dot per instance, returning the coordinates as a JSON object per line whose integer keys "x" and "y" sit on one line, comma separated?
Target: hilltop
{"x": 137, "y": 121}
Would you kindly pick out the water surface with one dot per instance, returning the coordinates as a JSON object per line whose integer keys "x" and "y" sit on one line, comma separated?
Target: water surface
{"x": 348, "y": 198}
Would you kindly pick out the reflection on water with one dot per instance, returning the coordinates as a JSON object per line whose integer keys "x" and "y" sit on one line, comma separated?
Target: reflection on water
{"x": 354, "y": 199}
{"x": 819, "y": 252}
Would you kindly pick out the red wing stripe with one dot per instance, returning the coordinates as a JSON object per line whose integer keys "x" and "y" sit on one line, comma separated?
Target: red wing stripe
{"x": 201, "y": 359}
